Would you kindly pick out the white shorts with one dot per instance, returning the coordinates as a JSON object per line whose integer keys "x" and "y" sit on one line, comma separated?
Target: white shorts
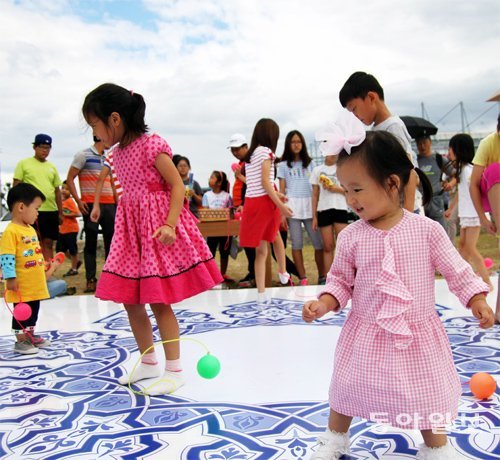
{"x": 470, "y": 222}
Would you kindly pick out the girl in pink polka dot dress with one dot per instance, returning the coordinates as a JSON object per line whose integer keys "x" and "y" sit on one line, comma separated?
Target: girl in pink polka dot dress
{"x": 157, "y": 255}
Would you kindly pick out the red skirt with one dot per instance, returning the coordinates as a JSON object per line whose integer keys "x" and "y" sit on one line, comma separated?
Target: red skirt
{"x": 260, "y": 221}
{"x": 490, "y": 177}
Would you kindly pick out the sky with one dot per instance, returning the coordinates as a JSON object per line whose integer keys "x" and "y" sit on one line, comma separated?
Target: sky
{"x": 211, "y": 68}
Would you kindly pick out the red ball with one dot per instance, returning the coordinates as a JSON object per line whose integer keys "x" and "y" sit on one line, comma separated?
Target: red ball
{"x": 482, "y": 385}
{"x": 237, "y": 215}
{"x": 22, "y": 311}
{"x": 488, "y": 263}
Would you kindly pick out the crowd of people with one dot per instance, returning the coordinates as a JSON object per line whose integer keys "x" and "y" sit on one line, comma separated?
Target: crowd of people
{"x": 155, "y": 254}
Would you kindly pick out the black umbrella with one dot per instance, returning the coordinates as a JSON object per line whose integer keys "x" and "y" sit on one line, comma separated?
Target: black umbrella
{"x": 418, "y": 127}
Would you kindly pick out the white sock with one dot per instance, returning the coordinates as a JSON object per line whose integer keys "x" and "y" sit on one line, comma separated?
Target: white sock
{"x": 173, "y": 365}
{"x": 284, "y": 277}
{"x": 262, "y": 297}
{"x": 149, "y": 358}
{"x": 142, "y": 371}
{"x": 168, "y": 383}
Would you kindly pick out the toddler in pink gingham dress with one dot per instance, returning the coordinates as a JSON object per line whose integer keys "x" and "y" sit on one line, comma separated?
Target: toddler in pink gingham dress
{"x": 157, "y": 255}
{"x": 393, "y": 359}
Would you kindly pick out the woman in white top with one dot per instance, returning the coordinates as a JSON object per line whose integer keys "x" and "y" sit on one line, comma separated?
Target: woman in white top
{"x": 461, "y": 152}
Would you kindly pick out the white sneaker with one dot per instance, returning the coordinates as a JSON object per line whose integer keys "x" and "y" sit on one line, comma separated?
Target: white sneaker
{"x": 285, "y": 278}
{"x": 25, "y": 347}
{"x": 331, "y": 446}
{"x": 142, "y": 371}
{"x": 168, "y": 383}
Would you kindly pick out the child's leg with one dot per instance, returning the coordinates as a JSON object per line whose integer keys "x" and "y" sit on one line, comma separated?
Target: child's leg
{"x": 25, "y": 341}
{"x": 437, "y": 447}
{"x": 74, "y": 261}
{"x": 260, "y": 266}
{"x": 433, "y": 439}
{"x": 140, "y": 325}
{"x": 168, "y": 326}
{"x": 497, "y": 312}
{"x": 317, "y": 243}
{"x": 328, "y": 245}
{"x": 334, "y": 442}
{"x": 224, "y": 261}
{"x": 72, "y": 248}
{"x": 461, "y": 244}
{"x": 279, "y": 252}
{"x": 494, "y": 200}
{"x": 28, "y": 324}
{"x": 471, "y": 235}
{"x": 212, "y": 242}
{"x": 143, "y": 334}
{"x": 224, "y": 249}
{"x": 338, "y": 422}
{"x": 295, "y": 230}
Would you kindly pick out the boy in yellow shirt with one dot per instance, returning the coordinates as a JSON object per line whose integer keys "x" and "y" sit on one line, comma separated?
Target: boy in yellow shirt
{"x": 23, "y": 264}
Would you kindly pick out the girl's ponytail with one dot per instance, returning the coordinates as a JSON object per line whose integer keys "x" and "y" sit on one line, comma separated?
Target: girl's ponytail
{"x": 137, "y": 113}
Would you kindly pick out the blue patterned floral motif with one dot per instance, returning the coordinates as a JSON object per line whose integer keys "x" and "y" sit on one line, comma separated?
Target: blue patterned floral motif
{"x": 229, "y": 454}
{"x": 66, "y": 404}
{"x": 296, "y": 446}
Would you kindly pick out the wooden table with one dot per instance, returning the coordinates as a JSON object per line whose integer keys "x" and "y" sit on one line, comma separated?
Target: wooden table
{"x": 220, "y": 228}
{"x": 232, "y": 228}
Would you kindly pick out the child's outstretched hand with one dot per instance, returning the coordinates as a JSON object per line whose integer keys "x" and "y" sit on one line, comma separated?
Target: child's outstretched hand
{"x": 482, "y": 311}
{"x": 165, "y": 234}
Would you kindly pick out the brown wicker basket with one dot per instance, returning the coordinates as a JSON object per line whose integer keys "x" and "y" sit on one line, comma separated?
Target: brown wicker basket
{"x": 214, "y": 215}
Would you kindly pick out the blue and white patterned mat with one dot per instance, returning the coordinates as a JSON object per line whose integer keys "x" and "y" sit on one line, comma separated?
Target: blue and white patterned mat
{"x": 65, "y": 403}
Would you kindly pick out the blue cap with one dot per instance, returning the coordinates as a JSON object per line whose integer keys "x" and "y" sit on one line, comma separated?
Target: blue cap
{"x": 42, "y": 139}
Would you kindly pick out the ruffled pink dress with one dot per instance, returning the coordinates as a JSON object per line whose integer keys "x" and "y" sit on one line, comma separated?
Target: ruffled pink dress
{"x": 393, "y": 362}
{"x": 140, "y": 269}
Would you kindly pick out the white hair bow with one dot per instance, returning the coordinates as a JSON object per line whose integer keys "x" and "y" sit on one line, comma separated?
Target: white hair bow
{"x": 347, "y": 132}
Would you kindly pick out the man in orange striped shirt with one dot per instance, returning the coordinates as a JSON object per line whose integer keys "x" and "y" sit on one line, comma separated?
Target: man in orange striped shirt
{"x": 87, "y": 165}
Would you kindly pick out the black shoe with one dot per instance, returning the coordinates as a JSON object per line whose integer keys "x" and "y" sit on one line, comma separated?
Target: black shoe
{"x": 71, "y": 290}
{"x": 91, "y": 286}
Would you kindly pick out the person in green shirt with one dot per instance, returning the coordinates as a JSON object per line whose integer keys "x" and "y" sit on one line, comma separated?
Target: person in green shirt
{"x": 43, "y": 175}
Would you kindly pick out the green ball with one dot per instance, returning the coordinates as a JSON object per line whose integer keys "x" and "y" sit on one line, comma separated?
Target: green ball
{"x": 208, "y": 366}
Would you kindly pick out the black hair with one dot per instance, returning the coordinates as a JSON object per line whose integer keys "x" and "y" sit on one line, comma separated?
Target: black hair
{"x": 180, "y": 158}
{"x": 463, "y": 148}
{"x": 358, "y": 85}
{"x": 266, "y": 134}
{"x": 222, "y": 178}
{"x": 175, "y": 159}
{"x": 288, "y": 155}
{"x": 23, "y": 193}
{"x": 108, "y": 98}
{"x": 383, "y": 155}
